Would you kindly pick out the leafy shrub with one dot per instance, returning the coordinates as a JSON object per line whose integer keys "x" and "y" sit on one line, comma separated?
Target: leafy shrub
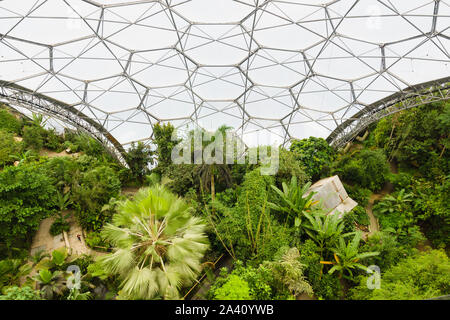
{"x": 27, "y": 195}
{"x": 81, "y": 142}
{"x": 325, "y": 286}
{"x": 138, "y": 158}
{"x": 52, "y": 140}
{"x": 419, "y": 137}
{"x": 181, "y": 178}
{"x": 401, "y": 180}
{"x": 58, "y": 226}
{"x": 93, "y": 190}
{"x": 20, "y": 293}
{"x": 233, "y": 289}
{"x": 63, "y": 170}
{"x": 95, "y": 241}
{"x": 8, "y": 147}
{"x": 33, "y": 137}
{"x": 358, "y": 215}
{"x": 289, "y": 166}
{"x": 248, "y": 228}
{"x": 359, "y": 194}
{"x": 390, "y": 249}
{"x": 9, "y": 122}
{"x": 279, "y": 279}
{"x": 422, "y": 276}
{"x": 315, "y": 154}
{"x": 366, "y": 168}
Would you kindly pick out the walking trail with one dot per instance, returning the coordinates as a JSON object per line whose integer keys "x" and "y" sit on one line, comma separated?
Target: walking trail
{"x": 387, "y": 189}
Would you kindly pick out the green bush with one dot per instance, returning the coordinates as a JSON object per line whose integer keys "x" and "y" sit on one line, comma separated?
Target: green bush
{"x": 366, "y": 168}
{"x": 390, "y": 249}
{"x": 233, "y": 289}
{"x": 279, "y": 279}
{"x": 33, "y": 137}
{"x": 358, "y": 215}
{"x": 21, "y": 293}
{"x": 8, "y": 148}
{"x": 419, "y": 277}
{"x": 9, "y": 122}
{"x": 52, "y": 140}
{"x": 401, "y": 180}
{"x": 248, "y": 227}
{"x": 325, "y": 286}
{"x": 289, "y": 166}
{"x": 315, "y": 154}
{"x": 417, "y": 138}
{"x": 58, "y": 226}
{"x": 359, "y": 194}
{"x": 27, "y": 195}
{"x": 94, "y": 189}
{"x": 63, "y": 170}
{"x": 95, "y": 241}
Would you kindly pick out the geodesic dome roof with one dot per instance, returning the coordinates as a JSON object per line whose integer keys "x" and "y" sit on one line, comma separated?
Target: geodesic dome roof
{"x": 292, "y": 68}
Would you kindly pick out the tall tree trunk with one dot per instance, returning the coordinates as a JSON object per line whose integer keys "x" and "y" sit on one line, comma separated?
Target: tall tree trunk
{"x": 213, "y": 188}
{"x": 213, "y": 192}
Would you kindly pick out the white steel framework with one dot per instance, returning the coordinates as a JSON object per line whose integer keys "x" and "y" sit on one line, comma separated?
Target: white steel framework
{"x": 287, "y": 68}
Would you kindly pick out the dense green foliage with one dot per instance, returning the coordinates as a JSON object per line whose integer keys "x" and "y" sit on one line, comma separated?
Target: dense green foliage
{"x": 8, "y": 148}
{"x": 93, "y": 190}
{"x": 417, "y": 139}
{"x": 20, "y": 293}
{"x": 153, "y": 226}
{"x": 27, "y": 195}
{"x": 315, "y": 154}
{"x": 9, "y": 122}
{"x": 139, "y": 157}
{"x": 366, "y": 168}
{"x": 33, "y": 137}
{"x": 280, "y": 279}
{"x": 418, "y": 277}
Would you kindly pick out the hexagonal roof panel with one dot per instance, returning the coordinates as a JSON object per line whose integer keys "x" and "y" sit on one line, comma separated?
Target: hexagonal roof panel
{"x": 290, "y": 69}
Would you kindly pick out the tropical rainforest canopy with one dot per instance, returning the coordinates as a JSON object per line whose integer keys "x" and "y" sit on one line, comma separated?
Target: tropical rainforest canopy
{"x": 156, "y": 227}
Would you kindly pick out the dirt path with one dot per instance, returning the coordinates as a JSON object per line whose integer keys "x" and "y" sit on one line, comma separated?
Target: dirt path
{"x": 374, "y": 226}
{"x": 52, "y": 154}
{"x": 43, "y": 240}
{"x": 373, "y": 222}
{"x": 129, "y": 191}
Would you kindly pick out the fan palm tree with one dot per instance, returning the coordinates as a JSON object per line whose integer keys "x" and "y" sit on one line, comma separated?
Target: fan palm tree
{"x": 347, "y": 256}
{"x": 158, "y": 245}
{"x": 50, "y": 283}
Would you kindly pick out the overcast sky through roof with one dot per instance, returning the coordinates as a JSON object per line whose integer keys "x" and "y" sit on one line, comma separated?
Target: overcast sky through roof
{"x": 286, "y": 68}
